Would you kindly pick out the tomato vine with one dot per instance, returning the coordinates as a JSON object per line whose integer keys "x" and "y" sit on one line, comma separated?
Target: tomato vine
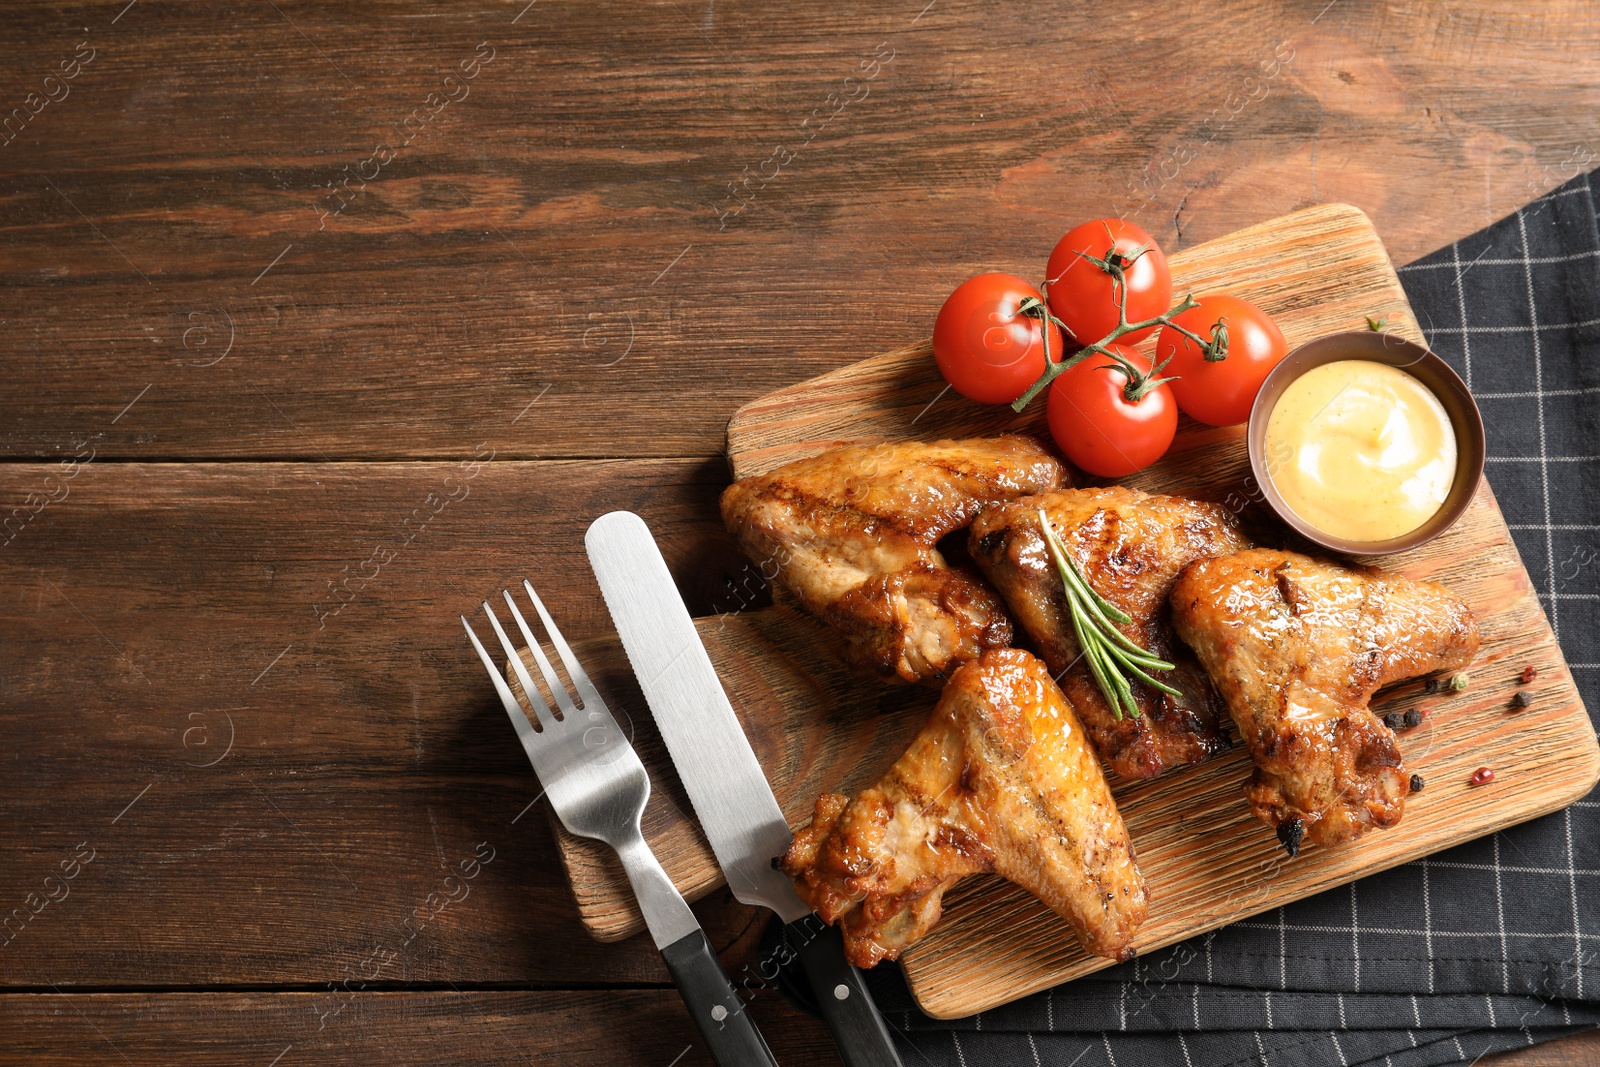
{"x": 1139, "y": 383}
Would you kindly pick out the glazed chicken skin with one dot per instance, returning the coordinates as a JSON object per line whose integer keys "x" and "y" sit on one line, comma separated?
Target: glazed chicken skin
{"x": 1001, "y": 779}
{"x": 1297, "y": 646}
{"x": 1131, "y": 547}
{"x": 852, "y": 533}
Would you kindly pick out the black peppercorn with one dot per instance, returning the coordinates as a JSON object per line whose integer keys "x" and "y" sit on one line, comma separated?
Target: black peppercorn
{"x": 1413, "y": 718}
{"x": 1433, "y": 686}
{"x": 1394, "y": 720}
{"x": 1417, "y": 782}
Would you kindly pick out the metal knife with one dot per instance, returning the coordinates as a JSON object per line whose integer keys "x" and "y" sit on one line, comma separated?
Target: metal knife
{"x": 725, "y": 783}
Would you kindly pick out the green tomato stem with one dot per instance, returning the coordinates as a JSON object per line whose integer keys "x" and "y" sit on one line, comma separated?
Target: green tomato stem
{"x": 1136, "y": 377}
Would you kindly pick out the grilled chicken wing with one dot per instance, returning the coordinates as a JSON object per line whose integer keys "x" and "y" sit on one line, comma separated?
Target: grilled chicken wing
{"x": 852, "y": 533}
{"x": 1001, "y": 779}
{"x": 1297, "y": 646}
{"x": 1131, "y": 546}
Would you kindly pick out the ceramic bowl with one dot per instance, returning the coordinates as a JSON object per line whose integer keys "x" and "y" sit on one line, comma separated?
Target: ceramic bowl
{"x": 1427, "y": 368}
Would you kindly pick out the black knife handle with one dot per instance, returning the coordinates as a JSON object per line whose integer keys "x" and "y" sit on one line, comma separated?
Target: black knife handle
{"x": 730, "y": 1034}
{"x": 858, "y": 1029}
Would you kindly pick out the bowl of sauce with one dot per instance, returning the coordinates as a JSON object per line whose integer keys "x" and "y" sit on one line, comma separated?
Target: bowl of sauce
{"x": 1366, "y": 443}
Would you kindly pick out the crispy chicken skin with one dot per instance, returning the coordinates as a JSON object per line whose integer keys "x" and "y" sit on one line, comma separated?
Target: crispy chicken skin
{"x": 1131, "y": 546}
{"x": 1297, "y": 646}
{"x": 852, "y": 533}
{"x": 1001, "y": 779}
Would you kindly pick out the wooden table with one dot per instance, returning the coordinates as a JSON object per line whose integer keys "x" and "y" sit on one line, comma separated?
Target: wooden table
{"x": 323, "y": 323}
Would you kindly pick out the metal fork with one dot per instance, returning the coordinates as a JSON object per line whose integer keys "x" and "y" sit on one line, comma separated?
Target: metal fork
{"x": 598, "y": 789}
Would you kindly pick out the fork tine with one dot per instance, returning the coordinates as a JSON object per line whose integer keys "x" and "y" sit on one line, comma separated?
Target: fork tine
{"x": 586, "y": 689}
{"x": 507, "y": 698}
{"x": 557, "y": 690}
{"x": 519, "y": 718}
{"x": 535, "y": 701}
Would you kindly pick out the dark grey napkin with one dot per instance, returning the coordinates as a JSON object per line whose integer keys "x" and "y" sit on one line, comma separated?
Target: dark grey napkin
{"x": 1491, "y": 945}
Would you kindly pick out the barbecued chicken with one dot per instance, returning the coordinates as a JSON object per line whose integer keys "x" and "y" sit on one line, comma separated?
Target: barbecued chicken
{"x": 1297, "y": 646}
{"x": 1130, "y": 546}
{"x": 852, "y": 533}
{"x": 1001, "y": 779}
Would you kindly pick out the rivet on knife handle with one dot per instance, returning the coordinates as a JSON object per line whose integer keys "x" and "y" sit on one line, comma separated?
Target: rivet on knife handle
{"x": 847, "y": 1007}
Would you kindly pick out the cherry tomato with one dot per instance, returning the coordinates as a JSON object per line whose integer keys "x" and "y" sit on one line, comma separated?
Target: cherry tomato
{"x": 1098, "y": 428}
{"x": 1082, "y": 294}
{"x": 1221, "y": 393}
{"x": 985, "y": 348}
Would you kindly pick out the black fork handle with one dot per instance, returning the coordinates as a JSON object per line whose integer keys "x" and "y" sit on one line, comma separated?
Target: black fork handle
{"x": 730, "y": 1034}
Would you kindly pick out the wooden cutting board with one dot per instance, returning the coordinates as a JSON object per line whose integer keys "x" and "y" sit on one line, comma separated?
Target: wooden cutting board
{"x": 816, "y": 726}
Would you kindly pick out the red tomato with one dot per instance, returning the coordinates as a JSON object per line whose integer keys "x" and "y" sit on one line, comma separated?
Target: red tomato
{"x": 1098, "y": 428}
{"x": 1221, "y": 393}
{"x": 985, "y": 349}
{"x": 1082, "y": 295}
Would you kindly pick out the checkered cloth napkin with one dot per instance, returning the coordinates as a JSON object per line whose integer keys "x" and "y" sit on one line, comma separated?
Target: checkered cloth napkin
{"x": 1489, "y": 946}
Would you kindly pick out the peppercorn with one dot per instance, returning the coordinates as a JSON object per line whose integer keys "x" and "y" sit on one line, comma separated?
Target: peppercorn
{"x": 1433, "y": 685}
{"x": 1413, "y": 718}
{"x": 1483, "y": 776}
{"x": 1394, "y": 720}
{"x": 1522, "y": 700}
{"x": 1529, "y": 673}
{"x": 1458, "y": 681}
{"x": 1417, "y": 782}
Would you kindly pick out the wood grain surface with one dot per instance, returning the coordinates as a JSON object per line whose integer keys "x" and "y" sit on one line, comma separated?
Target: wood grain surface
{"x": 540, "y": 269}
{"x": 529, "y": 236}
{"x": 161, "y": 610}
{"x": 1208, "y": 860}
{"x": 441, "y": 1028}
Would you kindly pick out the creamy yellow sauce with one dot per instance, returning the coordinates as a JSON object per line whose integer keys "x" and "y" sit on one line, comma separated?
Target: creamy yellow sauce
{"x": 1361, "y": 450}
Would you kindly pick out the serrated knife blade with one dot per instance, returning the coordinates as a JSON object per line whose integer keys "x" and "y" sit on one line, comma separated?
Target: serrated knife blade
{"x": 721, "y": 774}
{"x": 725, "y": 782}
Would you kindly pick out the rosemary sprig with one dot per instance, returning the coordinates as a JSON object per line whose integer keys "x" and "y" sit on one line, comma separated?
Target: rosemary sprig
{"x": 1110, "y": 653}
